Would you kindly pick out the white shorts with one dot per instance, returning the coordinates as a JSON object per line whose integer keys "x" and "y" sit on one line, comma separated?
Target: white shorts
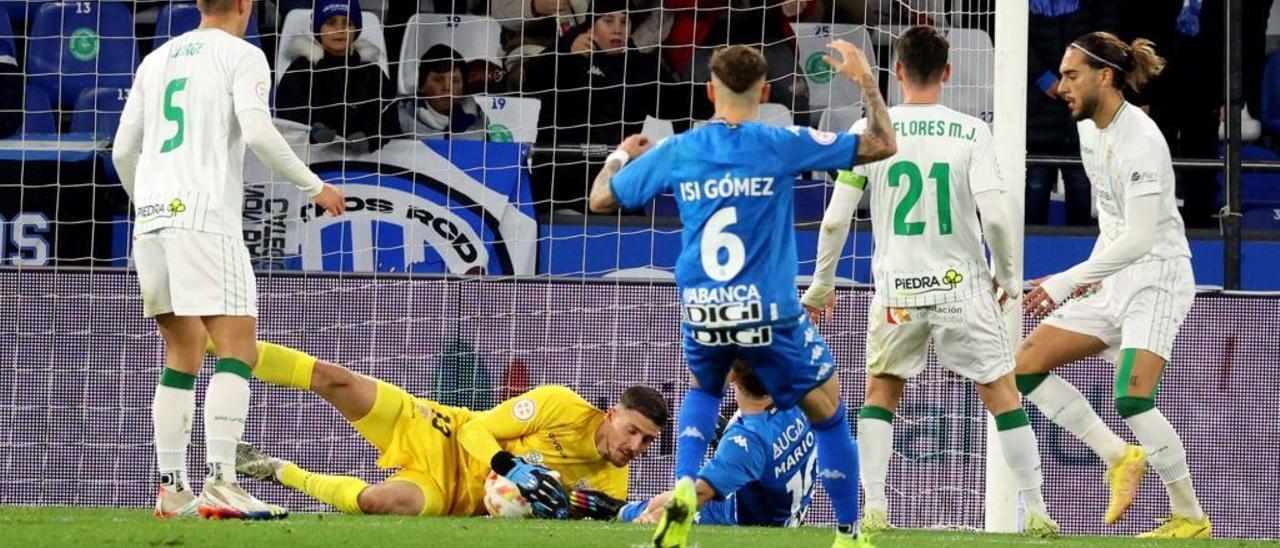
{"x": 1142, "y": 307}
{"x": 190, "y": 273}
{"x": 968, "y": 336}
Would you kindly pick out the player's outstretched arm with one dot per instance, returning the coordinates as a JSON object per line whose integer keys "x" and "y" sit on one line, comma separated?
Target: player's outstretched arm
{"x": 1142, "y": 225}
{"x": 602, "y": 199}
{"x": 261, "y": 136}
{"x": 819, "y": 298}
{"x": 878, "y": 141}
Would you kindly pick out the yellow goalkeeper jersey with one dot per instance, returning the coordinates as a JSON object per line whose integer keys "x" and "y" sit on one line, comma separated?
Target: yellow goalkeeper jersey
{"x": 447, "y": 450}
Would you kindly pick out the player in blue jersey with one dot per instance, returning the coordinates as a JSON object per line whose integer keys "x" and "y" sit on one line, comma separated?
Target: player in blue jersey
{"x": 762, "y": 472}
{"x": 733, "y": 181}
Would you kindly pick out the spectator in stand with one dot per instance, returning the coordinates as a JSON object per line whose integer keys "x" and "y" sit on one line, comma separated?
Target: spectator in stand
{"x": 1186, "y": 101}
{"x": 538, "y": 22}
{"x": 440, "y": 109}
{"x": 1054, "y": 24}
{"x": 700, "y": 27}
{"x": 335, "y": 85}
{"x": 596, "y": 89}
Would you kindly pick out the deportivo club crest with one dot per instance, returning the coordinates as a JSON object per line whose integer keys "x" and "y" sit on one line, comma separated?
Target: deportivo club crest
{"x": 83, "y": 44}
{"x": 817, "y": 69}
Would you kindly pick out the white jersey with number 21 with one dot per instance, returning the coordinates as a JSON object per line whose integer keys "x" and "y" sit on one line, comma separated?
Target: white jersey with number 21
{"x": 928, "y": 241}
{"x": 185, "y": 96}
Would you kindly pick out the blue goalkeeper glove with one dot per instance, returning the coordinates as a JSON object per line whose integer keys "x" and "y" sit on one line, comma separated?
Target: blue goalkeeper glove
{"x": 1189, "y": 19}
{"x": 538, "y": 485}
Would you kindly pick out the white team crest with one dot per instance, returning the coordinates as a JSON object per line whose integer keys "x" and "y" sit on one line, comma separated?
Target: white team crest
{"x": 533, "y": 457}
{"x": 828, "y": 473}
{"x": 822, "y": 137}
{"x": 523, "y": 410}
{"x": 740, "y": 442}
{"x": 691, "y": 432}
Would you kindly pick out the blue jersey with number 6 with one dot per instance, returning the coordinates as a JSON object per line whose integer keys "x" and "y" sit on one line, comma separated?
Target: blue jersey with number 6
{"x": 767, "y": 460}
{"x": 734, "y": 186}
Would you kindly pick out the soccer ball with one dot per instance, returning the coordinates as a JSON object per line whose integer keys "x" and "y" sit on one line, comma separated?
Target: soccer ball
{"x": 503, "y": 499}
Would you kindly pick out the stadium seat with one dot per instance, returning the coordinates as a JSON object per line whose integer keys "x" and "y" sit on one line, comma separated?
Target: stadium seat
{"x": 38, "y": 115}
{"x": 98, "y": 111}
{"x": 8, "y": 53}
{"x": 839, "y": 120}
{"x": 1257, "y": 188}
{"x": 511, "y": 119}
{"x": 776, "y": 114}
{"x": 473, "y": 37}
{"x": 298, "y": 23}
{"x": 971, "y": 88}
{"x": 1270, "y": 115}
{"x": 19, "y": 11}
{"x": 77, "y": 45}
{"x": 177, "y": 18}
{"x": 1262, "y": 217}
{"x": 825, "y": 87}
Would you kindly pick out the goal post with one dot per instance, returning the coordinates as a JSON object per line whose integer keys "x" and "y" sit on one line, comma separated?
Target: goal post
{"x": 1001, "y": 504}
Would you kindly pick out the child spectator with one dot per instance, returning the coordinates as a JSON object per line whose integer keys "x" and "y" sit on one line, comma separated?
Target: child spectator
{"x": 440, "y": 109}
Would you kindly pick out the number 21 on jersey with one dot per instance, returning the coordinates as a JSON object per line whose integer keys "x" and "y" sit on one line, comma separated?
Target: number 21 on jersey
{"x": 941, "y": 174}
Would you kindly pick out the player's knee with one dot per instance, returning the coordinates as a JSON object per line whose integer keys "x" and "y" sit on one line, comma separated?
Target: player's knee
{"x": 1028, "y": 359}
{"x": 1128, "y": 406}
{"x": 374, "y": 501}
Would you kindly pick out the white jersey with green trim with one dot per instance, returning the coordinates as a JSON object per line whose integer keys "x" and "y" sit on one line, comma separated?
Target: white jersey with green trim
{"x": 928, "y": 240}
{"x": 185, "y": 97}
{"x": 1127, "y": 159}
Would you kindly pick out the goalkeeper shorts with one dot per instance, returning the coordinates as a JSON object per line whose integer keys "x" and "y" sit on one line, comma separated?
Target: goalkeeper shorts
{"x": 968, "y": 337}
{"x": 191, "y": 273}
{"x": 1142, "y": 306}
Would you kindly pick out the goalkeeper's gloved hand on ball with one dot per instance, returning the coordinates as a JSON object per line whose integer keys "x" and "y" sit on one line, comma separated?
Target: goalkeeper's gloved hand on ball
{"x": 589, "y": 503}
{"x": 538, "y": 484}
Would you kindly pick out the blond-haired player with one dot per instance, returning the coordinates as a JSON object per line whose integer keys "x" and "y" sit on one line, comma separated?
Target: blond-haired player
{"x": 1133, "y": 292}
{"x": 196, "y": 102}
{"x": 443, "y": 454}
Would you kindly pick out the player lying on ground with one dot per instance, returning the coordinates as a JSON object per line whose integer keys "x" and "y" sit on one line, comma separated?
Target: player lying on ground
{"x": 1133, "y": 292}
{"x": 763, "y": 472}
{"x": 932, "y": 280}
{"x": 733, "y": 179}
{"x": 195, "y": 103}
{"x": 443, "y": 454}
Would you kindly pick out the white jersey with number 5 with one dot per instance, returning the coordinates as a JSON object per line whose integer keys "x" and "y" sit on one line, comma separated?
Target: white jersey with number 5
{"x": 185, "y": 97}
{"x": 928, "y": 241}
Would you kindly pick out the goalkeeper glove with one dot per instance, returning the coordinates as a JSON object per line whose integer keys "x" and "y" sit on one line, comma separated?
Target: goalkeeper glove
{"x": 589, "y": 503}
{"x": 537, "y": 484}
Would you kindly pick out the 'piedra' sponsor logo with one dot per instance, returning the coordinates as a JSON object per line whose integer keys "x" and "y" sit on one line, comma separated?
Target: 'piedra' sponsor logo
{"x": 919, "y": 285}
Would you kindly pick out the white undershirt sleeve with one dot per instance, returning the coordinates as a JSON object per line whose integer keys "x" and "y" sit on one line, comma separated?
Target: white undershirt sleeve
{"x": 1141, "y": 232}
{"x": 261, "y": 136}
{"x": 836, "y": 221}
{"x": 996, "y": 230}
{"x": 126, "y": 147}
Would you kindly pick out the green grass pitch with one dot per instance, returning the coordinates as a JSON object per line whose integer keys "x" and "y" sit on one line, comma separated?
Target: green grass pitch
{"x": 85, "y": 527}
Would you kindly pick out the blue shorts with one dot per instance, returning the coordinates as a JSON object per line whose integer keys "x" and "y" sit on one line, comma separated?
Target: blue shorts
{"x": 791, "y": 358}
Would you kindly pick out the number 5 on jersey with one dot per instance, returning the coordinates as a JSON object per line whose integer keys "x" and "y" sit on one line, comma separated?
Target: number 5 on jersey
{"x": 174, "y": 114}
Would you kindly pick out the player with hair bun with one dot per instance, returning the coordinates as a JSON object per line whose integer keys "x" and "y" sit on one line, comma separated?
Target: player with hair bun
{"x": 1127, "y": 301}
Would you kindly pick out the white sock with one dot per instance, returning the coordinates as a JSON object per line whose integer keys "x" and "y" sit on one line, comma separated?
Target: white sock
{"x": 1022, "y": 453}
{"x": 226, "y": 404}
{"x": 172, "y": 410}
{"x": 875, "y": 448}
{"x": 1169, "y": 459}
{"x": 1067, "y": 407}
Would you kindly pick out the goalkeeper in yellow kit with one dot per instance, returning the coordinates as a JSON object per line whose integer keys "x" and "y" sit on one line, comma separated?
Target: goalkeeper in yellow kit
{"x": 443, "y": 454}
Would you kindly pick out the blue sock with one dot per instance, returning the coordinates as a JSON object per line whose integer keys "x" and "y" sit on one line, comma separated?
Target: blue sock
{"x": 694, "y": 429}
{"x": 632, "y": 510}
{"x": 838, "y": 465}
